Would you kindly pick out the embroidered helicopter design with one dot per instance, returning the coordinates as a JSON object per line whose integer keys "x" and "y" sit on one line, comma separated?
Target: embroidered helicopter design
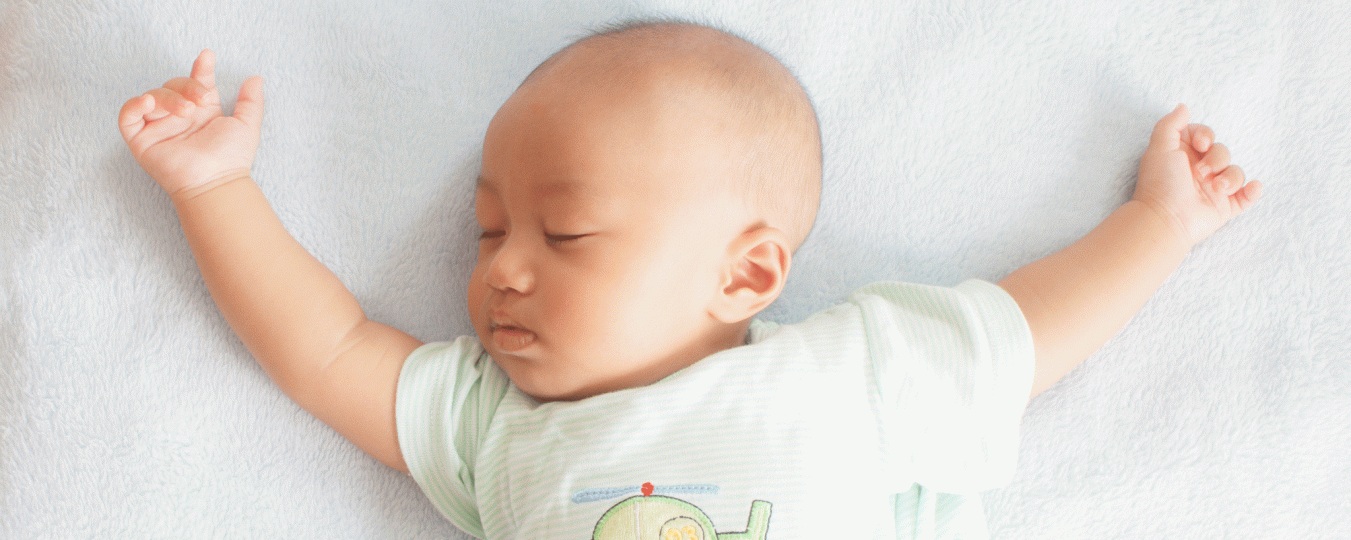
{"x": 653, "y": 515}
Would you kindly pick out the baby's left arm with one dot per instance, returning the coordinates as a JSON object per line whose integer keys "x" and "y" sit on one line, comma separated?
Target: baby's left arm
{"x": 1078, "y": 298}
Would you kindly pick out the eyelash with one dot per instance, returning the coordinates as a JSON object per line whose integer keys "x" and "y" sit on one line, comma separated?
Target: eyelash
{"x": 550, "y": 239}
{"x": 555, "y": 239}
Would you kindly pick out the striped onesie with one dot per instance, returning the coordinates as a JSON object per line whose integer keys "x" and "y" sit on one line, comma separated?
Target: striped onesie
{"x": 882, "y": 417}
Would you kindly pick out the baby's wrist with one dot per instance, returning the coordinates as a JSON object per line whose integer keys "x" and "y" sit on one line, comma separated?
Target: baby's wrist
{"x": 1171, "y": 228}
{"x": 189, "y": 193}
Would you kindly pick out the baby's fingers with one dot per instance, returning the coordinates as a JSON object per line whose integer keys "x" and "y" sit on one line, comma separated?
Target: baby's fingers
{"x": 249, "y": 105}
{"x": 1168, "y": 132}
{"x": 1216, "y": 159}
{"x": 131, "y": 119}
{"x": 193, "y": 90}
{"x": 1201, "y": 137}
{"x": 1227, "y": 181}
{"x": 204, "y": 69}
{"x": 169, "y": 102}
{"x": 1247, "y": 195}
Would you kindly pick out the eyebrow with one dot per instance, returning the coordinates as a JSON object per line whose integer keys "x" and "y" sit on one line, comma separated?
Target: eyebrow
{"x": 556, "y": 188}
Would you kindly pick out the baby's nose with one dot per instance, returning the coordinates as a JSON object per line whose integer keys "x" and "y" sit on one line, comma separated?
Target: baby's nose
{"x": 510, "y": 269}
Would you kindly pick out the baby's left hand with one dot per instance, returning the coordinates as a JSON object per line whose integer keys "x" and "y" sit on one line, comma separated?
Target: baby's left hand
{"x": 1186, "y": 176}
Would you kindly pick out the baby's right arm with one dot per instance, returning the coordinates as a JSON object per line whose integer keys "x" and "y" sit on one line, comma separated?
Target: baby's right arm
{"x": 304, "y": 327}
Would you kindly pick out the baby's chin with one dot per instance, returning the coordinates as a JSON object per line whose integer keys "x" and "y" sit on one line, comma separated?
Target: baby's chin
{"x": 538, "y": 372}
{"x": 530, "y": 378}
{"x": 551, "y": 393}
{"x": 549, "y": 387}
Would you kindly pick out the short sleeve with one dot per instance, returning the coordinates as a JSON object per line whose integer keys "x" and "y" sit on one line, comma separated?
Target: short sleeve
{"x": 447, "y": 395}
{"x": 953, "y": 372}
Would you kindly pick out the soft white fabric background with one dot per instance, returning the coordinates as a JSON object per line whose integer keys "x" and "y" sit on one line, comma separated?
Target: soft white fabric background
{"x": 962, "y": 140}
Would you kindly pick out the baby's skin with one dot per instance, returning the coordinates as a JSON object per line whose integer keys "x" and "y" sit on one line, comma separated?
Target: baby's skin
{"x": 309, "y": 334}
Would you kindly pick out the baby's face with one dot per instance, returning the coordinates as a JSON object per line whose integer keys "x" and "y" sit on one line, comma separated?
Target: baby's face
{"x": 603, "y": 243}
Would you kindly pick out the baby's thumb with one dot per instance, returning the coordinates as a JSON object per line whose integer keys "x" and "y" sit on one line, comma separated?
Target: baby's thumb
{"x": 1168, "y": 132}
{"x": 249, "y": 106}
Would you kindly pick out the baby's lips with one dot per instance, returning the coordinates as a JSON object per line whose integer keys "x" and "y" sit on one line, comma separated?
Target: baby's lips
{"x": 511, "y": 338}
{"x": 499, "y": 318}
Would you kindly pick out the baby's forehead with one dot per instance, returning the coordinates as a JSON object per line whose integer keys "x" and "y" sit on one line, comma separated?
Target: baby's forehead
{"x": 594, "y": 191}
{"x": 692, "y": 90}
{"x": 561, "y": 133}
{"x": 548, "y": 189}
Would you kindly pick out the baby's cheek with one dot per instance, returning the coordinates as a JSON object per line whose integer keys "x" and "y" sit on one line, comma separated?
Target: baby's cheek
{"x": 589, "y": 323}
{"x": 572, "y": 315}
{"x": 475, "y": 297}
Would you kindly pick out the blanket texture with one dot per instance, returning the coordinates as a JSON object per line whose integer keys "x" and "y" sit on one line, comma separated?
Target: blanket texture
{"x": 962, "y": 139}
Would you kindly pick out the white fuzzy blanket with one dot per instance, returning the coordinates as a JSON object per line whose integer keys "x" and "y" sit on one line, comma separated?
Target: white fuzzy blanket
{"x": 962, "y": 140}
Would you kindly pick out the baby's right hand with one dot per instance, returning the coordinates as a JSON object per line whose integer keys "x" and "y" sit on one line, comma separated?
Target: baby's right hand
{"x": 178, "y": 134}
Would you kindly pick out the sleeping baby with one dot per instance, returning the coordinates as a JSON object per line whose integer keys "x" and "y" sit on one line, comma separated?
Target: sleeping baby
{"x": 641, "y": 197}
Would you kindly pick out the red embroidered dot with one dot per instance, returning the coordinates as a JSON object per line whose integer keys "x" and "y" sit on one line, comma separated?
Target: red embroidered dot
{"x": 647, "y": 489}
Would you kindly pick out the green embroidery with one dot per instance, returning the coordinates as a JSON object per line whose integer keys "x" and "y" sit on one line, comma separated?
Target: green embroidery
{"x": 658, "y": 517}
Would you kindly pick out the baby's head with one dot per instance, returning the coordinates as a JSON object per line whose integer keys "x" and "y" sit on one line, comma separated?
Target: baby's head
{"x": 641, "y": 196}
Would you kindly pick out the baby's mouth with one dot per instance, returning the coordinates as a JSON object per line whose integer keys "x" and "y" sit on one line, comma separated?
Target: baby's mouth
{"x": 510, "y": 338}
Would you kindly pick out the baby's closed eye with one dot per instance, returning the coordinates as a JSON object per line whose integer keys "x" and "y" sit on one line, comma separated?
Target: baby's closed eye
{"x": 551, "y": 239}
{"x": 556, "y": 239}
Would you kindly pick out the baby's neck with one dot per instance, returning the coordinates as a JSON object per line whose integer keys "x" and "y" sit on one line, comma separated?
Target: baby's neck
{"x": 722, "y": 338}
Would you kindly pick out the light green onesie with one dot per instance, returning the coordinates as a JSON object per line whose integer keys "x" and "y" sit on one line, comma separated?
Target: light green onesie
{"x": 856, "y": 423}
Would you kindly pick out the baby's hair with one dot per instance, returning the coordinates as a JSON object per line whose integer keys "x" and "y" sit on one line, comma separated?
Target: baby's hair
{"x": 778, "y": 131}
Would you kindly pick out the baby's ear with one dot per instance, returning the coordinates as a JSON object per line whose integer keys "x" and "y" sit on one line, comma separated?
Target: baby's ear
{"x": 757, "y": 266}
